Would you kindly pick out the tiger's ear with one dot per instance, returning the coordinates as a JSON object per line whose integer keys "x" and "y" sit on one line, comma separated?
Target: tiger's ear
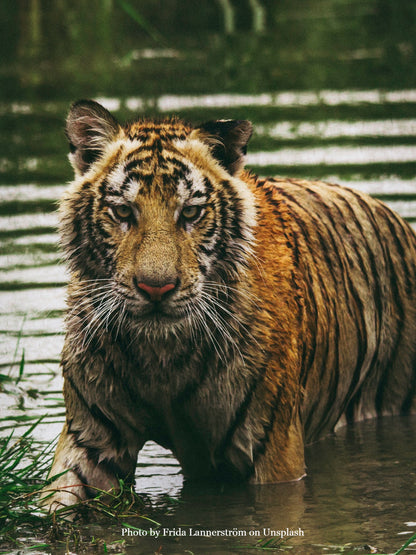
{"x": 228, "y": 141}
{"x": 89, "y": 128}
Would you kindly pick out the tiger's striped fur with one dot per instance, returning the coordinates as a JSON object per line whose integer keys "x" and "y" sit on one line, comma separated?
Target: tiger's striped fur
{"x": 228, "y": 318}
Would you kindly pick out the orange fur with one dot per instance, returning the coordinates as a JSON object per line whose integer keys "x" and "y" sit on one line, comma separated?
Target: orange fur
{"x": 227, "y": 317}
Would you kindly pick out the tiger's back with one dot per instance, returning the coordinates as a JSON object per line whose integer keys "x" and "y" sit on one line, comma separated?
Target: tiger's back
{"x": 357, "y": 262}
{"x": 226, "y": 317}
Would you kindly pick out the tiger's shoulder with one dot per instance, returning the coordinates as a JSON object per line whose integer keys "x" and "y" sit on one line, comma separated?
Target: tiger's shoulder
{"x": 317, "y": 207}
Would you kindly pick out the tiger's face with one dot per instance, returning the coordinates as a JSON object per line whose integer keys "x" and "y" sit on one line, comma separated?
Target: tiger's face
{"x": 156, "y": 225}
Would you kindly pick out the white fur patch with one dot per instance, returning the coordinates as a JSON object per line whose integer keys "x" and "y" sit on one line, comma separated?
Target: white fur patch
{"x": 198, "y": 185}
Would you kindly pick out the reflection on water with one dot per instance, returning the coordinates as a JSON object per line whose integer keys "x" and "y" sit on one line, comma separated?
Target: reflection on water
{"x": 360, "y": 490}
{"x": 330, "y": 86}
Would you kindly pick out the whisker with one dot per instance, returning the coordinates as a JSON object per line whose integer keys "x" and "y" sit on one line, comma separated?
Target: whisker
{"x": 219, "y": 288}
{"x": 221, "y": 325}
{"x": 202, "y": 320}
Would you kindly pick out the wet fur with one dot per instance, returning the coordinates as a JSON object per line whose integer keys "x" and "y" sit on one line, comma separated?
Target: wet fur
{"x": 295, "y": 309}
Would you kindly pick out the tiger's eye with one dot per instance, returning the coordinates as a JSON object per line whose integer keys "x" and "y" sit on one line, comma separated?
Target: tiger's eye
{"x": 191, "y": 212}
{"x": 122, "y": 211}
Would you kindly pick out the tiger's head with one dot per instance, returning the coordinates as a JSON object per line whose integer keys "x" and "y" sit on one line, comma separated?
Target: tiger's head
{"x": 157, "y": 224}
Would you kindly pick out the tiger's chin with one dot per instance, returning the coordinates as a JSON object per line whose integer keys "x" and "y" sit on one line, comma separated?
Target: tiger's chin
{"x": 159, "y": 322}
{"x": 157, "y": 312}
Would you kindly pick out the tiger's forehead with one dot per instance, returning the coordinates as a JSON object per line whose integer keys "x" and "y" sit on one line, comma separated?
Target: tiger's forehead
{"x": 164, "y": 131}
{"x": 152, "y": 161}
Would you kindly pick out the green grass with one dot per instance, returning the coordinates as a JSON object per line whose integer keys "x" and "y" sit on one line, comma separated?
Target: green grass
{"x": 23, "y": 471}
{"x": 24, "y": 466}
{"x": 403, "y": 547}
{"x": 22, "y": 474}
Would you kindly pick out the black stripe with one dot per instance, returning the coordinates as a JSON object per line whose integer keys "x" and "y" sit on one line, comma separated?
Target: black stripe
{"x": 138, "y": 176}
{"x": 362, "y": 338}
{"x": 152, "y": 132}
{"x": 102, "y": 232}
{"x": 338, "y": 243}
{"x": 292, "y": 238}
{"x": 209, "y": 230}
{"x": 349, "y": 291}
{"x": 184, "y": 177}
{"x": 300, "y": 221}
{"x": 89, "y": 492}
{"x": 177, "y": 165}
{"x": 143, "y": 161}
{"x": 198, "y": 194}
{"x": 240, "y": 413}
{"x": 358, "y": 318}
{"x": 396, "y": 295}
{"x": 309, "y": 353}
{"x": 202, "y": 268}
{"x": 386, "y": 213}
{"x": 97, "y": 415}
{"x": 111, "y": 192}
{"x": 221, "y": 241}
{"x": 131, "y": 156}
{"x": 176, "y": 174}
{"x": 92, "y": 249}
{"x": 268, "y": 426}
{"x": 327, "y": 413}
{"x": 97, "y": 244}
{"x": 102, "y": 190}
{"x": 207, "y": 250}
{"x": 351, "y": 235}
{"x": 208, "y": 186}
{"x": 132, "y": 165}
{"x": 408, "y": 401}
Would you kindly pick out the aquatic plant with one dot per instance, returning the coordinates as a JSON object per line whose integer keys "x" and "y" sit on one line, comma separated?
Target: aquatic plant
{"x": 23, "y": 470}
{"x": 22, "y": 474}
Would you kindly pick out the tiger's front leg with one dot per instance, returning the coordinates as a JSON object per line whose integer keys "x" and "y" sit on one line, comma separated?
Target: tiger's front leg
{"x": 79, "y": 476}
{"x": 98, "y": 445}
{"x": 82, "y": 472}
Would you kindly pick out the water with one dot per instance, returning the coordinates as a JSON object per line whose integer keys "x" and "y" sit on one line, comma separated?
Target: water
{"x": 330, "y": 86}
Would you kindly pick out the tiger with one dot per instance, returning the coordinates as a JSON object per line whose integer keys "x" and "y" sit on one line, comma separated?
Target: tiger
{"x": 229, "y": 318}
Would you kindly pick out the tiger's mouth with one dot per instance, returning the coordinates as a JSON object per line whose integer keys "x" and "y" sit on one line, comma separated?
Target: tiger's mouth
{"x": 160, "y": 314}
{"x": 158, "y": 311}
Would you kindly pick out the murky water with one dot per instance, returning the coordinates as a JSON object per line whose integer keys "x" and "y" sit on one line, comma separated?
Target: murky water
{"x": 330, "y": 86}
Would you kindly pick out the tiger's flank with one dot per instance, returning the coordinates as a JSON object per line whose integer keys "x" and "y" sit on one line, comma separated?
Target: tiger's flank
{"x": 229, "y": 318}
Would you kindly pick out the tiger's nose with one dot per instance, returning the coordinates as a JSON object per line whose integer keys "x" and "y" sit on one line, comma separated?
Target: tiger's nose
{"x": 155, "y": 292}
